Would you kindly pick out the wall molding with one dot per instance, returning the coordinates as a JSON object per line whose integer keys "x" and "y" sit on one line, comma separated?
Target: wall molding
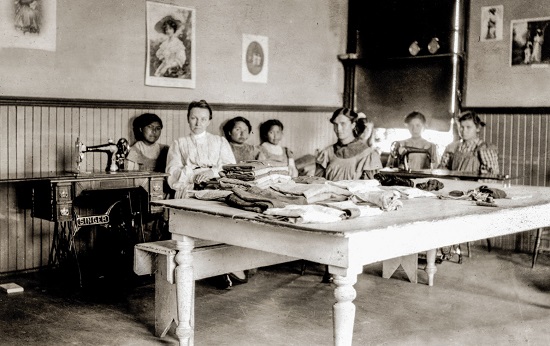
{"x": 509, "y": 110}
{"x": 84, "y": 103}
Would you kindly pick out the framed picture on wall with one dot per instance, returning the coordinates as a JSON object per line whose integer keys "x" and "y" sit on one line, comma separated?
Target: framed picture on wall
{"x": 530, "y": 42}
{"x": 491, "y": 23}
{"x": 29, "y": 24}
{"x": 170, "y": 46}
{"x": 254, "y": 59}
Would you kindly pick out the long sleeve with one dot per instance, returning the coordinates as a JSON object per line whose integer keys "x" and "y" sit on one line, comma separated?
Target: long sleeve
{"x": 195, "y": 154}
{"x": 181, "y": 175}
{"x": 225, "y": 157}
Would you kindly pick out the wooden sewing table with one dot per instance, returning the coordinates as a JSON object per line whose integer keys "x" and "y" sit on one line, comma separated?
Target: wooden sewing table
{"x": 422, "y": 224}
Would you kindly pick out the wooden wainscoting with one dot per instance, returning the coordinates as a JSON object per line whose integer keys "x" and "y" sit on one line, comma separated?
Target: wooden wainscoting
{"x": 523, "y": 141}
{"x": 40, "y": 137}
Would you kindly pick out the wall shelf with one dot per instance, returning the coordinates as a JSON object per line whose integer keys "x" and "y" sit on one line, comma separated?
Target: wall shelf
{"x": 384, "y": 81}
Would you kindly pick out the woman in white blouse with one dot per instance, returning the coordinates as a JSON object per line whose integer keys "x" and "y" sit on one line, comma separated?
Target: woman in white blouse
{"x": 198, "y": 157}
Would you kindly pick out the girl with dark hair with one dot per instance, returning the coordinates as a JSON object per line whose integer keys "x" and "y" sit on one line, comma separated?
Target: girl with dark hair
{"x": 349, "y": 158}
{"x": 271, "y": 133}
{"x": 416, "y": 123}
{"x": 236, "y": 132}
{"x": 146, "y": 153}
{"x": 470, "y": 153}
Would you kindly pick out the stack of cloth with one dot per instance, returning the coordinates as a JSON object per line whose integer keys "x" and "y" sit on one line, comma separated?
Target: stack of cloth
{"x": 307, "y": 199}
{"x": 260, "y": 174}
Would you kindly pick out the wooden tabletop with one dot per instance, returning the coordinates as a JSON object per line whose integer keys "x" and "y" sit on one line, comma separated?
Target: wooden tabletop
{"x": 72, "y": 176}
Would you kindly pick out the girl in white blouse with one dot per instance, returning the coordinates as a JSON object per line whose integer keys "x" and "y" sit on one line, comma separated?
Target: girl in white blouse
{"x": 198, "y": 157}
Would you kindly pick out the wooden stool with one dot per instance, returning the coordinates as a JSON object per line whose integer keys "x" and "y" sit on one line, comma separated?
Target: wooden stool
{"x": 542, "y": 234}
{"x": 209, "y": 259}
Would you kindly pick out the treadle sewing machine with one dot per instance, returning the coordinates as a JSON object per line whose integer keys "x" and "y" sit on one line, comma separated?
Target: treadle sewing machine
{"x": 115, "y": 200}
{"x": 400, "y": 154}
{"x": 119, "y": 151}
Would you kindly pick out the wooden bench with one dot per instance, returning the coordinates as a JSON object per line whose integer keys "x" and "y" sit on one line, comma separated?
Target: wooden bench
{"x": 209, "y": 259}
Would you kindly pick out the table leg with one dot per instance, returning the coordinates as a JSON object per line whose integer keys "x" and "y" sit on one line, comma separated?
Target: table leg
{"x": 431, "y": 269}
{"x": 185, "y": 283}
{"x": 344, "y": 309}
{"x": 53, "y": 259}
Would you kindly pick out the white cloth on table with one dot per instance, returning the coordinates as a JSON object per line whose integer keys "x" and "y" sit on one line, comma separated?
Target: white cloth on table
{"x": 364, "y": 210}
{"x": 387, "y": 200}
{"x": 409, "y": 192}
{"x": 309, "y": 213}
{"x": 357, "y": 186}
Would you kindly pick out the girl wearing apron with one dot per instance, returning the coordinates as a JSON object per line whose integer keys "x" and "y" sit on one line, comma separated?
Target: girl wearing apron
{"x": 471, "y": 153}
{"x": 349, "y": 158}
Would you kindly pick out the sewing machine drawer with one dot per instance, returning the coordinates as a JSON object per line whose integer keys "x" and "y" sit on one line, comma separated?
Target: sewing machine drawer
{"x": 52, "y": 201}
{"x": 63, "y": 212}
{"x": 63, "y": 192}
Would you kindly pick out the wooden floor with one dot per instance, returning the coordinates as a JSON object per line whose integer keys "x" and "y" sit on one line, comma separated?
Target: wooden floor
{"x": 491, "y": 299}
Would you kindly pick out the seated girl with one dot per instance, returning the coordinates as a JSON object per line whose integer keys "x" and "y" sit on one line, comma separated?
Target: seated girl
{"x": 199, "y": 157}
{"x": 271, "y": 133}
{"x": 416, "y": 123}
{"x": 471, "y": 153}
{"x": 349, "y": 158}
{"x": 236, "y": 131}
{"x": 147, "y": 154}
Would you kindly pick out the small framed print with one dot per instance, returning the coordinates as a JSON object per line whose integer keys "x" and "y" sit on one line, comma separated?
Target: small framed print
{"x": 491, "y": 23}
{"x": 254, "y": 59}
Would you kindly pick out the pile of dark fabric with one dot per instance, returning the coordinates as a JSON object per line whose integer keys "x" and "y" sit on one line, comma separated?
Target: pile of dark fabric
{"x": 393, "y": 180}
{"x": 257, "y": 200}
{"x": 492, "y": 192}
{"x": 430, "y": 185}
{"x": 483, "y": 195}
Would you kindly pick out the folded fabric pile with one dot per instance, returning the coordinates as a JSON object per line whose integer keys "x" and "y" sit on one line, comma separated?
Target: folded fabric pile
{"x": 254, "y": 173}
{"x": 313, "y": 192}
{"x": 258, "y": 200}
{"x": 311, "y": 213}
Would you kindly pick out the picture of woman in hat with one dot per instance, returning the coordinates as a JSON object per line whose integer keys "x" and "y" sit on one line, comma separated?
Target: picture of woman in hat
{"x": 27, "y": 16}
{"x": 171, "y": 52}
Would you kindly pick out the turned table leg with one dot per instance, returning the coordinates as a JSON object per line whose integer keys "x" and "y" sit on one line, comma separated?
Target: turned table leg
{"x": 431, "y": 269}
{"x": 344, "y": 309}
{"x": 185, "y": 283}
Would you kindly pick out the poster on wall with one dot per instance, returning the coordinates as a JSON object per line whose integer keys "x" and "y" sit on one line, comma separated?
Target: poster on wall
{"x": 28, "y": 24}
{"x": 254, "y": 59}
{"x": 491, "y": 23}
{"x": 170, "y": 46}
{"x": 530, "y": 42}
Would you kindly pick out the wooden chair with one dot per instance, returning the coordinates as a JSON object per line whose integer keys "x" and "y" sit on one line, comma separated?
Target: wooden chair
{"x": 543, "y": 234}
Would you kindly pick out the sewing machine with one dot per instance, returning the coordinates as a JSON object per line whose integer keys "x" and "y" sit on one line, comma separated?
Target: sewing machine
{"x": 119, "y": 150}
{"x": 400, "y": 154}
